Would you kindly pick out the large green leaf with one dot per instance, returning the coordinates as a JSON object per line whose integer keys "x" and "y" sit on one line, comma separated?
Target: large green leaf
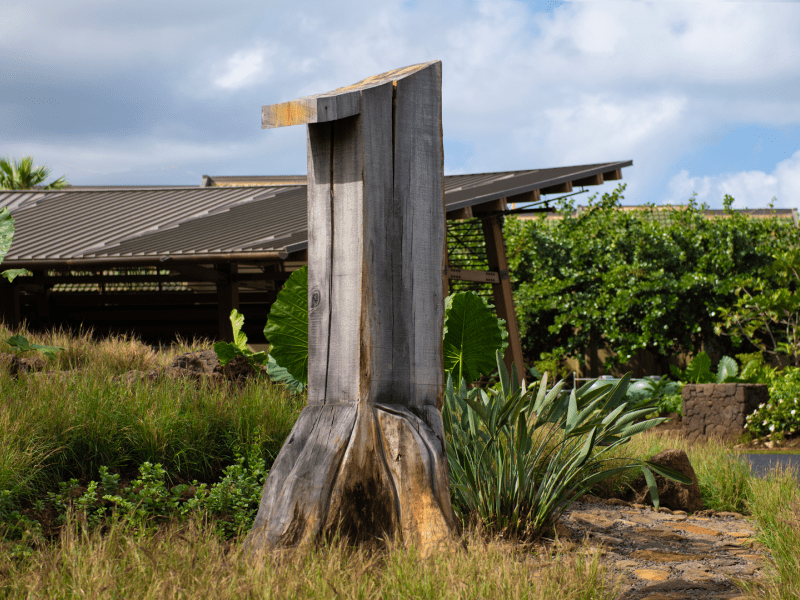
{"x": 21, "y": 344}
{"x": 472, "y": 335}
{"x": 278, "y": 374}
{"x": 287, "y": 326}
{"x": 6, "y": 231}
{"x": 699, "y": 369}
{"x": 727, "y": 369}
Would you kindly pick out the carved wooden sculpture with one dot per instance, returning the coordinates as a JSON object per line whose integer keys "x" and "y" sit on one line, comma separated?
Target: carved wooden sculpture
{"x": 366, "y": 457}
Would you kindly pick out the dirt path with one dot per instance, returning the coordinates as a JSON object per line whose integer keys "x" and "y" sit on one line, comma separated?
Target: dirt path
{"x": 669, "y": 556}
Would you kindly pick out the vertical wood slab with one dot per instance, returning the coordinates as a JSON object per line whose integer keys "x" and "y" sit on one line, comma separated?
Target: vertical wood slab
{"x": 384, "y": 374}
{"x": 320, "y": 237}
{"x": 418, "y": 187}
{"x": 367, "y": 456}
{"x": 346, "y": 276}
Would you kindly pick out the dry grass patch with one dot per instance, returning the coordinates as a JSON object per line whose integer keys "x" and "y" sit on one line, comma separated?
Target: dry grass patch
{"x": 189, "y": 561}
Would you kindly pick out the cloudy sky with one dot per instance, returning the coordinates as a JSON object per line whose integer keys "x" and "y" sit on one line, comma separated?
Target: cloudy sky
{"x": 703, "y": 96}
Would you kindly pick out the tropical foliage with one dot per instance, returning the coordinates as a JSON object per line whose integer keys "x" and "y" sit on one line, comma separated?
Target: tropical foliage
{"x": 6, "y": 238}
{"x": 767, "y": 309}
{"x": 648, "y": 279}
{"x": 227, "y": 351}
{"x": 21, "y": 174}
{"x": 782, "y": 413}
{"x": 520, "y": 456}
{"x": 472, "y": 334}
{"x": 287, "y": 326}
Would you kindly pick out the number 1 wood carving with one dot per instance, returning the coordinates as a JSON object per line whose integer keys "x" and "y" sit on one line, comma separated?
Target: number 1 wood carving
{"x": 367, "y": 458}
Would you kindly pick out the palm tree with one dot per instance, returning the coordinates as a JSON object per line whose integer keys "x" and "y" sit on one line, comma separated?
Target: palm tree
{"x": 22, "y": 175}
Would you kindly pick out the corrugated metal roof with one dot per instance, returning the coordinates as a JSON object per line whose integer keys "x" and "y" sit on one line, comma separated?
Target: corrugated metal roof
{"x": 229, "y": 222}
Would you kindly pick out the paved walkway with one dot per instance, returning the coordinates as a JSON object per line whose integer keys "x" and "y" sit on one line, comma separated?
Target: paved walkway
{"x": 760, "y": 464}
{"x": 668, "y": 555}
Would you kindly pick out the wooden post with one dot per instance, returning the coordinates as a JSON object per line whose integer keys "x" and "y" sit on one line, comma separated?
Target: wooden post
{"x": 367, "y": 458}
{"x": 9, "y": 304}
{"x": 227, "y": 299}
{"x": 492, "y": 225}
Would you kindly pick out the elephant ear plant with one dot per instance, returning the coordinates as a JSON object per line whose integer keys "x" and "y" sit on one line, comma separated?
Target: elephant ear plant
{"x": 519, "y": 457}
{"x": 472, "y": 334}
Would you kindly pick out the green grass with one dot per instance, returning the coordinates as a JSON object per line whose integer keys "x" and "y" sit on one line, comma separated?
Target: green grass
{"x": 56, "y": 426}
{"x": 189, "y": 561}
{"x": 775, "y": 505}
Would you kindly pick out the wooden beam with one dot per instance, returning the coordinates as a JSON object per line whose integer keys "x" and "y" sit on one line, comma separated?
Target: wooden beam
{"x": 559, "y": 188}
{"x": 503, "y": 294}
{"x": 470, "y": 275}
{"x": 591, "y": 180}
{"x": 460, "y": 214}
{"x": 614, "y": 175}
{"x": 488, "y": 208}
{"x": 198, "y": 273}
{"x": 524, "y": 198}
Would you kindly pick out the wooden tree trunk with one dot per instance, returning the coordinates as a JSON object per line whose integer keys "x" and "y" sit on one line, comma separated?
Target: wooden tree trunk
{"x": 366, "y": 458}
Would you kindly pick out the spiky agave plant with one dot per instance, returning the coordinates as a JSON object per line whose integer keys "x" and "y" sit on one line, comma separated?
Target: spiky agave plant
{"x": 520, "y": 456}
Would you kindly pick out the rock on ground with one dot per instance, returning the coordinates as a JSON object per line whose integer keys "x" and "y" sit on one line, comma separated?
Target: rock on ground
{"x": 671, "y": 494}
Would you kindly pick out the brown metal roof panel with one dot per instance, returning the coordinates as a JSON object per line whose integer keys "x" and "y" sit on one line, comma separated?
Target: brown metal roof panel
{"x": 525, "y": 182}
{"x": 253, "y": 221}
{"x": 134, "y": 212}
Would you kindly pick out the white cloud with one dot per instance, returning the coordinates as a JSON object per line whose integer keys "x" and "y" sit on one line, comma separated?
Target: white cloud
{"x": 750, "y": 189}
{"x": 244, "y": 68}
{"x": 585, "y": 82}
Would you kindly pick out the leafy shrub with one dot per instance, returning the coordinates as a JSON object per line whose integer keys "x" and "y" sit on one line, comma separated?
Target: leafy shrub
{"x": 20, "y": 344}
{"x": 518, "y": 458}
{"x": 699, "y": 370}
{"x": 782, "y": 413}
{"x": 767, "y": 308}
{"x": 650, "y": 279}
{"x": 231, "y": 503}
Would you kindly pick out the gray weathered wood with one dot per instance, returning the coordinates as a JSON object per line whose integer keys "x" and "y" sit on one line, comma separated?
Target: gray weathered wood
{"x": 320, "y": 203}
{"x": 367, "y": 456}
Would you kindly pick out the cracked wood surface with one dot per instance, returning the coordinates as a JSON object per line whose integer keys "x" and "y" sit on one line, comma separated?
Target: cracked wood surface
{"x": 367, "y": 456}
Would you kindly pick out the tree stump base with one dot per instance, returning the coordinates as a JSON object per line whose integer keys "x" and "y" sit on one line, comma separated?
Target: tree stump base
{"x": 363, "y": 472}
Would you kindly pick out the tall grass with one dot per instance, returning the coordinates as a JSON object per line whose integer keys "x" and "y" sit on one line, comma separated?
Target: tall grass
{"x": 59, "y": 425}
{"x": 192, "y": 562}
{"x": 775, "y": 505}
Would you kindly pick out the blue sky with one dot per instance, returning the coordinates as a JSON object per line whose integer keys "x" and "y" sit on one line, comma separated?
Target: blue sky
{"x": 702, "y": 96}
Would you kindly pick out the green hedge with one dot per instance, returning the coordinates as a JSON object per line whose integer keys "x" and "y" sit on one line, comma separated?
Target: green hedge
{"x": 650, "y": 279}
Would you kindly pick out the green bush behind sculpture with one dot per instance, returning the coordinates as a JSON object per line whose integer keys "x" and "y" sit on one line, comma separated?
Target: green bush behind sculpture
{"x": 629, "y": 280}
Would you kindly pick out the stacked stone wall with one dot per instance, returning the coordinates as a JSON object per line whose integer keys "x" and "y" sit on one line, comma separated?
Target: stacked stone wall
{"x": 719, "y": 410}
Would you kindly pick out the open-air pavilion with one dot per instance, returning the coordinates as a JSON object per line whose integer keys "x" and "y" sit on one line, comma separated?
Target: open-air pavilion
{"x": 166, "y": 261}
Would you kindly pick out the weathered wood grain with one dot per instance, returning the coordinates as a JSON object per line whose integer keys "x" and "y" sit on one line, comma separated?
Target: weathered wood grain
{"x": 419, "y": 188}
{"x": 381, "y": 375}
{"x": 367, "y": 457}
{"x": 330, "y": 106}
{"x": 320, "y": 236}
